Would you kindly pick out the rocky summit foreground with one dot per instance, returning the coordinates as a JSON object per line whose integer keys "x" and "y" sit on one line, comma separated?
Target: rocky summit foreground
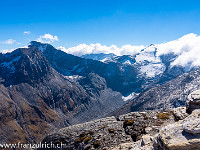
{"x": 176, "y": 129}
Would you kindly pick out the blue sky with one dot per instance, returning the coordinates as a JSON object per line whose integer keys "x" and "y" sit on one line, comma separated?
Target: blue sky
{"x": 109, "y": 22}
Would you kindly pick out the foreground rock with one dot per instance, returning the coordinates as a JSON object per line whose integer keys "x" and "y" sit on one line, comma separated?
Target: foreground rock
{"x": 109, "y": 133}
{"x": 150, "y": 130}
{"x": 146, "y": 143}
{"x": 182, "y": 135}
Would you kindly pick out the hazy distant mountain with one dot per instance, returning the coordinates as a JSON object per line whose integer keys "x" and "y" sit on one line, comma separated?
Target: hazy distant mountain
{"x": 100, "y": 57}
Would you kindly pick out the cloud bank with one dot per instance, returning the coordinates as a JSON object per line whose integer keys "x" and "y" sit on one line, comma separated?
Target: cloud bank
{"x": 10, "y": 50}
{"x": 83, "y": 49}
{"x": 187, "y": 48}
{"x": 7, "y": 50}
{"x": 47, "y": 38}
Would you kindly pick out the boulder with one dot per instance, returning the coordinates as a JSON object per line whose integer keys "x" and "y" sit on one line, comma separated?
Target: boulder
{"x": 146, "y": 143}
{"x": 182, "y": 135}
{"x": 192, "y": 126}
{"x": 193, "y": 101}
{"x": 180, "y": 113}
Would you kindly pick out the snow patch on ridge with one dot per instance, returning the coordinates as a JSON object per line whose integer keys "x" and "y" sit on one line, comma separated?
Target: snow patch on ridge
{"x": 152, "y": 70}
{"x": 129, "y": 97}
{"x": 10, "y": 65}
{"x": 42, "y": 47}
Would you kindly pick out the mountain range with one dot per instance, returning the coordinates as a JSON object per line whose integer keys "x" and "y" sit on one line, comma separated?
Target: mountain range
{"x": 125, "y": 74}
{"x": 44, "y": 89}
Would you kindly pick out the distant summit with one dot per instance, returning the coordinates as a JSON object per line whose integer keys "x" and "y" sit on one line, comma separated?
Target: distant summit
{"x": 40, "y": 46}
{"x": 100, "y": 57}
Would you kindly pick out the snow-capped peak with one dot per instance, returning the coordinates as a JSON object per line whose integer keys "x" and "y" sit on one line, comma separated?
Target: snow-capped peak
{"x": 150, "y": 49}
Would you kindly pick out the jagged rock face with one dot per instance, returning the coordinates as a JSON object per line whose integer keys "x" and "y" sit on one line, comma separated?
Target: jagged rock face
{"x": 181, "y": 135}
{"x": 23, "y": 66}
{"x": 36, "y": 100}
{"x": 105, "y": 131}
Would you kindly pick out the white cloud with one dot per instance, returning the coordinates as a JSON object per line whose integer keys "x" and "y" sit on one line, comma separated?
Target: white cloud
{"x": 9, "y": 41}
{"x": 83, "y": 49}
{"x": 10, "y": 50}
{"x": 47, "y": 38}
{"x": 187, "y": 48}
{"x": 27, "y": 32}
{"x": 7, "y": 50}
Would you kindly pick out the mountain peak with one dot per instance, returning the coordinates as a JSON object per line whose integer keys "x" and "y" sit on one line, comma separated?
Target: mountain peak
{"x": 35, "y": 43}
{"x": 24, "y": 65}
{"x": 151, "y": 45}
{"x": 39, "y": 45}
